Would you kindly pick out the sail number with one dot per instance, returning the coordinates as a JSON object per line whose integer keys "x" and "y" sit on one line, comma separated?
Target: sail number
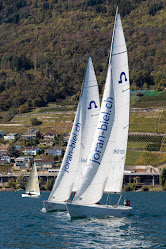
{"x": 119, "y": 151}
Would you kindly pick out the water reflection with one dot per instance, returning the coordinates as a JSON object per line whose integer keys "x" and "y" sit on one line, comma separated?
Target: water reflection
{"x": 98, "y": 233}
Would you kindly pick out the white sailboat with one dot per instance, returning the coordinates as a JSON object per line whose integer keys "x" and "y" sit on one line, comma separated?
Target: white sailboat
{"x": 79, "y": 144}
{"x": 32, "y": 188}
{"x": 105, "y": 166}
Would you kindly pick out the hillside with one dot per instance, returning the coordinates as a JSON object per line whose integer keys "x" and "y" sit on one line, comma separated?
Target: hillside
{"x": 44, "y": 48}
{"x": 147, "y": 127}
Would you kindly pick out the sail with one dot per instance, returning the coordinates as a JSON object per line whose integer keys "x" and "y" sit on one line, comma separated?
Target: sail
{"x": 64, "y": 183}
{"x": 108, "y": 151}
{"x": 90, "y": 109}
{"x": 80, "y": 139}
{"x": 33, "y": 183}
{"x": 119, "y": 134}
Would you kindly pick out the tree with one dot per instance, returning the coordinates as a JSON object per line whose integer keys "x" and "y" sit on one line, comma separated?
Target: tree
{"x": 11, "y": 151}
{"x": 41, "y": 183}
{"x": 49, "y": 184}
{"x": 35, "y": 121}
{"x": 12, "y": 183}
{"x": 23, "y": 108}
{"x": 20, "y": 182}
{"x": 163, "y": 177}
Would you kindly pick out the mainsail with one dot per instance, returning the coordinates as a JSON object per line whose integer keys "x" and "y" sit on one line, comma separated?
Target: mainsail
{"x": 33, "y": 183}
{"x": 105, "y": 166}
{"x": 80, "y": 140}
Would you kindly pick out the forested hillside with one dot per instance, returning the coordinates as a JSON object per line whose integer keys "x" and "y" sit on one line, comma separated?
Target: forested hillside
{"x": 45, "y": 44}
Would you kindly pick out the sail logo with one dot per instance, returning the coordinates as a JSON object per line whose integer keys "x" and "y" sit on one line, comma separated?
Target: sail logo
{"x": 72, "y": 146}
{"x": 121, "y": 75}
{"x": 90, "y": 104}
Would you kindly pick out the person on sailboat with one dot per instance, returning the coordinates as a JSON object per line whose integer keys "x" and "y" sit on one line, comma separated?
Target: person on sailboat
{"x": 126, "y": 202}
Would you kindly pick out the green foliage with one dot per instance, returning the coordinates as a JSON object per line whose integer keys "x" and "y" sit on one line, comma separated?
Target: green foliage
{"x": 59, "y": 140}
{"x": 163, "y": 177}
{"x": 12, "y": 151}
{"x": 151, "y": 158}
{"x": 20, "y": 183}
{"x": 49, "y": 184}
{"x": 41, "y": 183}
{"x": 129, "y": 187}
{"x": 149, "y": 143}
{"x": 53, "y": 39}
{"x": 132, "y": 156}
{"x": 23, "y": 108}
{"x": 12, "y": 183}
{"x": 35, "y": 121}
{"x": 164, "y": 187}
{"x": 154, "y": 7}
{"x": 145, "y": 138}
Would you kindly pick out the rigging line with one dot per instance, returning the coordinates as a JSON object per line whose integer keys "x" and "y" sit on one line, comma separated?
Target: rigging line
{"x": 126, "y": 89}
{"x": 120, "y": 53}
{"x": 125, "y": 126}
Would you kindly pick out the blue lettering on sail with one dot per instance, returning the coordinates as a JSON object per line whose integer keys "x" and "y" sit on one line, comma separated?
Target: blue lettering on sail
{"x": 103, "y": 125}
{"x": 90, "y": 104}
{"x": 123, "y": 73}
{"x": 72, "y": 146}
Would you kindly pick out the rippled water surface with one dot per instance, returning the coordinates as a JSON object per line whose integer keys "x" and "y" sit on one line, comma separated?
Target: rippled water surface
{"x": 23, "y": 225}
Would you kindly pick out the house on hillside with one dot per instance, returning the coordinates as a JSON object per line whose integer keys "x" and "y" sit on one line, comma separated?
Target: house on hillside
{"x": 44, "y": 163}
{"x": 54, "y": 152}
{"x": 5, "y": 158}
{"x": 66, "y": 137}
{"x": 10, "y": 136}
{"x": 3, "y": 149}
{"x": 49, "y": 135}
{"x": 31, "y": 134}
{"x": 31, "y": 151}
{"x": 23, "y": 163}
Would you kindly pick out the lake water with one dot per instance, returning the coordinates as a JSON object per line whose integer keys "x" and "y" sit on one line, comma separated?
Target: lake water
{"x": 23, "y": 225}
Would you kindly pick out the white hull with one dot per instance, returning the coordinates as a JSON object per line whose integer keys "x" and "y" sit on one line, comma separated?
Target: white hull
{"x": 31, "y": 195}
{"x": 51, "y": 206}
{"x": 97, "y": 211}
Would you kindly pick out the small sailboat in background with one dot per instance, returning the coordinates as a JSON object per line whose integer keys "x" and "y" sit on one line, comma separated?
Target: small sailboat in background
{"x": 79, "y": 144}
{"x": 32, "y": 188}
{"x": 105, "y": 167}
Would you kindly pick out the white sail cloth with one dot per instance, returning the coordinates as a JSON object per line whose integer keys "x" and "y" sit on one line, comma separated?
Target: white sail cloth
{"x": 33, "y": 183}
{"x": 105, "y": 166}
{"x": 82, "y": 133}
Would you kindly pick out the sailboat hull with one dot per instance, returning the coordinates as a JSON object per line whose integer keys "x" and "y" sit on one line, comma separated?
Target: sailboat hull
{"x": 31, "y": 195}
{"x": 97, "y": 211}
{"x": 51, "y": 206}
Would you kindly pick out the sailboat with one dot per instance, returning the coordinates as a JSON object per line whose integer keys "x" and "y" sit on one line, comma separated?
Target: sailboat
{"x": 32, "y": 188}
{"x": 105, "y": 166}
{"x": 79, "y": 144}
